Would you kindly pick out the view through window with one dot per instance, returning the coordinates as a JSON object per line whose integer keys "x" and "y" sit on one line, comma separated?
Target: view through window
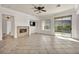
{"x": 63, "y": 26}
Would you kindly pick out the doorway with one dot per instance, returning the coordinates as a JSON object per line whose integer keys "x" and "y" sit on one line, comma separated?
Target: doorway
{"x": 63, "y": 26}
{"x": 7, "y": 25}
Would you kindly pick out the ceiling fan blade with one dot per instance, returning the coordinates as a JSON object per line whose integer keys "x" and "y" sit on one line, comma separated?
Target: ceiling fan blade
{"x": 43, "y": 10}
{"x": 42, "y": 7}
{"x": 35, "y": 7}
{"x": 36, "y": 10}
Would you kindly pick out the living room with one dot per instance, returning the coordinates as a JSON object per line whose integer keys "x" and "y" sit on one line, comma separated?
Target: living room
{"x": 35, "y": 23}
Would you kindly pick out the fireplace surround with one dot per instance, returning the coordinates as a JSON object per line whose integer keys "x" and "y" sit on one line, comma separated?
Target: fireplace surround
{"x": 22, "y": 31}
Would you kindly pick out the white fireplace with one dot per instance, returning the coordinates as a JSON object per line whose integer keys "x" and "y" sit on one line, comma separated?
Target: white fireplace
{"x": 22, "y": 31}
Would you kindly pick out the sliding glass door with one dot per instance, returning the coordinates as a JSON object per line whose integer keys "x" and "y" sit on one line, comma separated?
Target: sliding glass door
{"x": 63, "y": 26}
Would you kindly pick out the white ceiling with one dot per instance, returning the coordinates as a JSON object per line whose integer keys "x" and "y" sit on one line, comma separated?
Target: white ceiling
{"x": 28, "y": 8}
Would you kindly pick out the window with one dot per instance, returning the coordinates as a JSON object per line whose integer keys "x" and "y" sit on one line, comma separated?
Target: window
{"x": 47, "y": 24}
{"x": 63, "y": 25}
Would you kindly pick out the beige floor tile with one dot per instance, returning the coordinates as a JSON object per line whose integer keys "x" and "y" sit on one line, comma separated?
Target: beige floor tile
{"x": 38, "y": 44}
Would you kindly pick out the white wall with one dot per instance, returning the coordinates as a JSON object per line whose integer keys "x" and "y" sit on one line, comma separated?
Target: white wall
{"x": 4, "y": 26}
{"x": 77, "y": 16}
{"x": 12, "y": 25}
{"x": 21, "y": 19}
{"x": 8, "y": 27}
{"x": 24, "y": 20}
{"x": 0, "y": 27}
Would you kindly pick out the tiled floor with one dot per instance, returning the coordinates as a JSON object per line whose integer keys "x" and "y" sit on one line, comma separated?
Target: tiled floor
{"x": 39, "y": 44}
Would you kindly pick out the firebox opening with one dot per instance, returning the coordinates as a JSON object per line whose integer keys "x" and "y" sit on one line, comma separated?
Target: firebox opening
{"x": 23, "y": 30}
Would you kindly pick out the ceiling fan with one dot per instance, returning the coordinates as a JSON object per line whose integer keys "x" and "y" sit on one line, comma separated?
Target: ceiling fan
{"x": 39, "y": 8}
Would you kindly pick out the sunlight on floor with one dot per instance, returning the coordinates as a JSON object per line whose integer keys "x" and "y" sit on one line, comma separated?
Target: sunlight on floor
{"x": 63, "y": 34}
{"x": 66, "y": 38}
